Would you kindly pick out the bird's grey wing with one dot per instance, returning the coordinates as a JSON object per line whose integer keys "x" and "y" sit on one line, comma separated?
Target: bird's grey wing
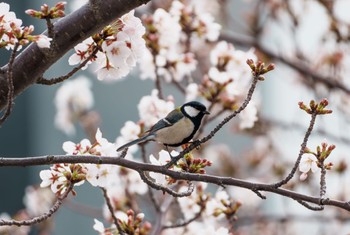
{"x": 169, "y": 120}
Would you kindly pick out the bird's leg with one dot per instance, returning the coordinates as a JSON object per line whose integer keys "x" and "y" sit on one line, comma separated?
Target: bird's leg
{"x": 196, "y": 143}
{"x": 167, "y": 149}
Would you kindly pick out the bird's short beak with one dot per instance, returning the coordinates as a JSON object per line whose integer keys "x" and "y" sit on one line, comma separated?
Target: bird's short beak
{"x": 206, "y": 112}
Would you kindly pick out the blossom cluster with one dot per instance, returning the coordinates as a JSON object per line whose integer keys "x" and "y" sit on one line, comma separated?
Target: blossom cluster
{"x": 12, "y": 32}
{"x": 119, "y": 45}
{"x": 216, "y": 212}
{"x": 166, "y": 55}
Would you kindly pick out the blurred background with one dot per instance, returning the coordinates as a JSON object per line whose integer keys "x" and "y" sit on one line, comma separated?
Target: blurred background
{"x": 299, "y": 30}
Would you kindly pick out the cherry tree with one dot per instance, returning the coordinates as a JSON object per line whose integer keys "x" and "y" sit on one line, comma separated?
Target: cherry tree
{"x": 188, "y": 47}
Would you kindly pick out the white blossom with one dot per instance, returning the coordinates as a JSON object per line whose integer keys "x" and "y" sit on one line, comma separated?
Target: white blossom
{"x": 38, "y": 200}
{"x": 192, "y": 91}
{"x": 151, "y": 108}
{"x": 248, "y": 116}
{"x": 308, "y": 162}
{"x": 188, "y": 205}
{"x": 163, "y": 159}
{"x": 99, "y": 227}
{"x": 72, "y": 99}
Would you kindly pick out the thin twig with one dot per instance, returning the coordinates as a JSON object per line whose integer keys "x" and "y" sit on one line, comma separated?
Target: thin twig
{"x": 150, "y": 191}
{"x": 166, "y": 189}
{"x": 157, "y": 80}
{"x": 50, "y": 28}
{"x": 111, "y": 210}
{"x": 323, "y": 187}
{"x": 10, "y": 86}
{"x": 311, "y": 207}
{"x": 42, "y": 217}
{"x": 301, "y": 152}
{"x": 179, "y": 86}
{"x": 186, "y": 222}
{"x": 44, "y": 81}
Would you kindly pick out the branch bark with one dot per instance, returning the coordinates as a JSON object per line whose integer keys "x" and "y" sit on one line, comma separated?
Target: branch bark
{"x": 138, "y": 166}
{"x": 33, "y": 62}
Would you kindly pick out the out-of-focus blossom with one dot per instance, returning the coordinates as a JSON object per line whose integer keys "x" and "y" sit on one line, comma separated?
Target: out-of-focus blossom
{"x": 215, "y": 204}
{"x": 248, "y": 116}
{"x": 192, "y": 91}
{"x": 151, "y": 108}
{"x": 168, "y": 36}
{"x": 229, "y": 63}
{"x": 72, "y": 99}
{"x": 205, "y": 229}
{"x": 189, "y": 205}
{"x": 167, "y": 56}
{"x": 38, "y": 200}
{"x": 308, "y": 162}
{"x": 100, "y": 228}
{"x": 130, "y": 131}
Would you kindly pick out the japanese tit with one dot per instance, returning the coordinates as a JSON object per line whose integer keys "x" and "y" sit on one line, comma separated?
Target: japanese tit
{"x": 177, "y": 128}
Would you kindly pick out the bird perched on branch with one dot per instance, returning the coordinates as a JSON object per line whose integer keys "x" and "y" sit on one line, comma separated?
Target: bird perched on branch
{"x": 177, "y": 128}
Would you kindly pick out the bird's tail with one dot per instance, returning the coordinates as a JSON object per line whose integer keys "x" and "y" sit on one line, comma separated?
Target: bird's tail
{"x": 137, "y": 141}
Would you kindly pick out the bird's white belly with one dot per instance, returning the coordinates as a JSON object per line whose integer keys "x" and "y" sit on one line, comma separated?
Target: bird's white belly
{"x": 176, "y": 133}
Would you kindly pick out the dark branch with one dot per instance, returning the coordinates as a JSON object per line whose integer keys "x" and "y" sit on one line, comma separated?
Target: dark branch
{"x": 33, "y": 62}
{"x": 111, "y": 210}
{"x": 10, "y": 87}
{"x": 160, "y": 187}
{"x": 138, "y": 166}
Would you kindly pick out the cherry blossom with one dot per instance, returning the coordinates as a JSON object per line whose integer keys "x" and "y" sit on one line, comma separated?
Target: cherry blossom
{"x": 188, "y": 205}
{"x": 308, "y": 162}
{"x": 151, "y": 108}
{"x": 163, "y": 159}
{"x": 118, "y": 52}
{"x": 72, "y": 99}
{"x": 38, "y": 200}
{"x": 248, "y": 116}
{"x": 82, "y": 52}
{"x": 130, "y": 131}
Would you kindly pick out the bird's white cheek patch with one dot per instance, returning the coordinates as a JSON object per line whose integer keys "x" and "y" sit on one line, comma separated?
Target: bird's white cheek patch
{"x": 192, "y": 112}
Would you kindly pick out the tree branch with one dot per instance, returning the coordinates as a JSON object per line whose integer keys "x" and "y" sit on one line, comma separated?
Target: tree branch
{"x": 10, "y": 87}
{"x": 33, "y": 62}
{"x": 111, "y": 210}
{"x": 301, "y": 152}
{"x": 138, "y": 166}
{"x": 157, "y": 186}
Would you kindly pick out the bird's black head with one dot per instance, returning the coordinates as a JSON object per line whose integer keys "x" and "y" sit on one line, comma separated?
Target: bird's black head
{"x": 194, "y": 110}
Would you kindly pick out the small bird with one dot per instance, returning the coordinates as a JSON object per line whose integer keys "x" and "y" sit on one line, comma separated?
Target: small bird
{"x": 177, "y": 128}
